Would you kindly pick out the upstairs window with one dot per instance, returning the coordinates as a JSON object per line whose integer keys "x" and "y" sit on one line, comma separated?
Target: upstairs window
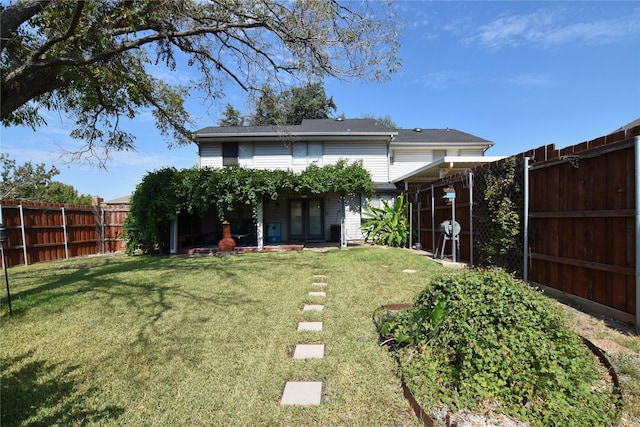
{"x": 306, "y": 153}
{"x": 229, "y": 153}
{"x": 245, "y": 154}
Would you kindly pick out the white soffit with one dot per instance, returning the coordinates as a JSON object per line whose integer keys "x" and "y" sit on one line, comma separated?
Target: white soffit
{"x": 446, "y": 166}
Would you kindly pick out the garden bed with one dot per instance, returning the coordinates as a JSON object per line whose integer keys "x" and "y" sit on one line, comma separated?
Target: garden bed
{"x": 460, "y": 340}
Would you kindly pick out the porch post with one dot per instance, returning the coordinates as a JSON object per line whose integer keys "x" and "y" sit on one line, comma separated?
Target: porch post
{"x": 343, "y": 229}
{"x": 260, "y": 225}
{"x": 173, "y": 235}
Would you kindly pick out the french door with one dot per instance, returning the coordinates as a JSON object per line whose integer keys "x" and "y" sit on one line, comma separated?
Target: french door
{"x": 306, "y": 219}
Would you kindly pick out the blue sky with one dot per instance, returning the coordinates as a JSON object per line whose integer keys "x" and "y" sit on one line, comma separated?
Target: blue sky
{"x": 521, "y": 74}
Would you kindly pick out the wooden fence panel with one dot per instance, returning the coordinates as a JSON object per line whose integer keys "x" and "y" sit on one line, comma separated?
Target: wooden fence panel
{"x": 582, "y": 238}
{"x": 113, "y": 225}
{"x": 582, "y": 224}
{"x": 56, "y": 231}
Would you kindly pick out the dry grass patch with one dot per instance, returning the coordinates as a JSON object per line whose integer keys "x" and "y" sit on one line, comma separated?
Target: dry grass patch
{"x": 201, "y": 341}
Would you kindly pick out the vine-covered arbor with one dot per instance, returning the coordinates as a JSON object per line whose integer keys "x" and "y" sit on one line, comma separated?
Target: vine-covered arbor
{"x": 188, "y": 205}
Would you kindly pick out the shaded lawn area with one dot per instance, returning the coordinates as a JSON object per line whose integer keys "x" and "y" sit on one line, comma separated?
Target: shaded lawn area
{"x": 202, "y": 341}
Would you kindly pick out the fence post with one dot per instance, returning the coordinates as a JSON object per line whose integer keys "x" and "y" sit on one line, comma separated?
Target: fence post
{"x": 453, "y": 238}
{"x": 24, "y": 237}
{"x": 433, "y": 221}
{"x": 637, "y": 183}
{"x": 410, "y": 224}
{"x": 471, "y": 218}
{"x": 64, "y": 231}
{"x": 4, "y": 267}
{"x": 525, "y": 269}
{"x": 103, "y": 232}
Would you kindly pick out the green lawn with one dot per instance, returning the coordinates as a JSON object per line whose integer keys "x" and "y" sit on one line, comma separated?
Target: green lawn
{"x": 202, "y": 341}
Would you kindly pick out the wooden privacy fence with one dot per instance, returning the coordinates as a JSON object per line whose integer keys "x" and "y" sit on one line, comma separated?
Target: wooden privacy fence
{"x": 50, "y": 231}
{"x": 582, "y": 222}
{"x": 577, "y": 221}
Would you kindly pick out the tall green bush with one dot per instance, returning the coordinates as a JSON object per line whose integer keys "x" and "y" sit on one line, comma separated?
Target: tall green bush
{"x": 482, "y": 338}
{"x": 387, "y": 225}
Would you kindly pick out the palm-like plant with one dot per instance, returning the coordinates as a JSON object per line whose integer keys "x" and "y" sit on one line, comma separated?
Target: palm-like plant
{"x": 387, "y": 225}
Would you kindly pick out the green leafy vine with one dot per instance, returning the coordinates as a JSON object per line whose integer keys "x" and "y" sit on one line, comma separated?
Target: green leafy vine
{"x": 164, "y": 193}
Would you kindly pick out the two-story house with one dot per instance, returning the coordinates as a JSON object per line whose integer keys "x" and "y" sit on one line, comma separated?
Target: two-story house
{"x": 392, "y": 157}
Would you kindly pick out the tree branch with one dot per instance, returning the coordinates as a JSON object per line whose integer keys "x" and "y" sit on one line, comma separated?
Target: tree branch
{"x": 16, "y": 15}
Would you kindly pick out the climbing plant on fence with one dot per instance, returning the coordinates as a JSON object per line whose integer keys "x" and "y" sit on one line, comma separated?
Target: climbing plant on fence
{"x": 164, "y": 193}
{"x": 498, "y": 215}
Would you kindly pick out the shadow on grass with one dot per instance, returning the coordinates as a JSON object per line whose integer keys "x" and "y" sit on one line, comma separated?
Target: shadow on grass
{"x": 40, "y": 394}
{"x": 79, "y": 277}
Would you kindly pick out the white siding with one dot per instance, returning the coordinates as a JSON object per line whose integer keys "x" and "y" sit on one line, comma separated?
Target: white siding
{"x": 472, "y": 152}
{"x": 211, "y": 155}
{"x": 408, "y": 160}
{"x": 272, "y": 156}
{"x": 372, "y": 153}
{"x": 332, "y": 215}
{"x": 332, "y": 209}
{"x": 353, "y": 218}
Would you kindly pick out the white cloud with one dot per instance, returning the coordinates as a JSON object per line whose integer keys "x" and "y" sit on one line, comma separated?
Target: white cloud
{"x": 551, "y": 28}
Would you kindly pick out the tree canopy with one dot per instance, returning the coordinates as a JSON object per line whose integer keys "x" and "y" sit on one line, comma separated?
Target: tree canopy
{"x": 101, "y": 61}
{"x": 35, "y": 183}
{"x": 291, "y": 106}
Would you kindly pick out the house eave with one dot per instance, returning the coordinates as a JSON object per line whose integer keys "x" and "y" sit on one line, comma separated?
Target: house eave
{"x": 445, "y": 166}
{"x": 436, "y": 144}
{"x": 297, "y": 136}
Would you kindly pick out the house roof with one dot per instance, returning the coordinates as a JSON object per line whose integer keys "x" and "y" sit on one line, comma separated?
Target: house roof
{"x": 310, "y": 128}
{"x": 344, "y": 126}
{"x": 445, "y": 136}
{"x": 124, "y": 200}
{"x": 633, "y": 124}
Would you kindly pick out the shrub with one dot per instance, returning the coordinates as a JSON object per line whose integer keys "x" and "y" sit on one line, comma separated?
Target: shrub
{"x": 387, "y": 225}
{"x": 482, "y": 338}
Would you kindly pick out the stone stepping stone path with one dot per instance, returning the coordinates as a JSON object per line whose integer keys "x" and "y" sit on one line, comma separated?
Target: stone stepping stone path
{"x": 310, "y": 326}
{"x": 307, "y": 393}
{"x": 309, "y": 351}
{"x": 302, "y": 393}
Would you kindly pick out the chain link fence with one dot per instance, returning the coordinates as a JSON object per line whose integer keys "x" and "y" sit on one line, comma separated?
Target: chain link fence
{"x": 498, "y": 216}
